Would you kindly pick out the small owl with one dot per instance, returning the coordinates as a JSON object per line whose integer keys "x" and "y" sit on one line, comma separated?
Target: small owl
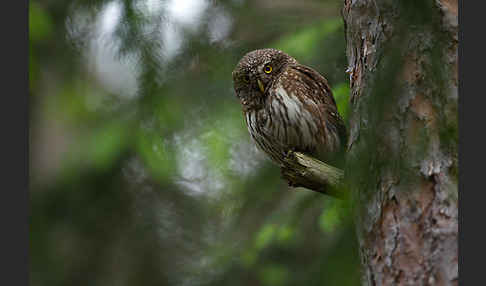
{"x": 288, "y": 106}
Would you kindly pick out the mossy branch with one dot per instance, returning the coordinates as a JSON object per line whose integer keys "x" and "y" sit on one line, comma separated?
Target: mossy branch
{"x": 308, "y": 172}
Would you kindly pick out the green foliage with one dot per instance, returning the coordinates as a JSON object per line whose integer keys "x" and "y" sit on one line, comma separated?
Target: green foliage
{"x": 265, "y": 236}
{"x": 329, "y": 219}
{"x": 304, "y": 44}
{"x": 40, "y": 24}
{"x": 274, "y": 275}
{"x": 341, "y": 95}
{"x": 106, "y": 144}
{"x": 218, "y": 148}
{"x": 155, "y": 153}
{"x": 285, "y": 234}
{"x": 164, "y": 186}
{"x": 40, "y": 29}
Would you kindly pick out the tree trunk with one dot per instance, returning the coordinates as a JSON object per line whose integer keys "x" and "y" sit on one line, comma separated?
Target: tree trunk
{"x": 402, "y": 153}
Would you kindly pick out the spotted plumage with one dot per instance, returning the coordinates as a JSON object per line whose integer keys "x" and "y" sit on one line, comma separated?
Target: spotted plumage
{"x": 287, "y": 106}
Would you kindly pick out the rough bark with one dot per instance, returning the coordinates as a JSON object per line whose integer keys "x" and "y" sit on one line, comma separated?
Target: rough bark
{"x": 402, "y": 153}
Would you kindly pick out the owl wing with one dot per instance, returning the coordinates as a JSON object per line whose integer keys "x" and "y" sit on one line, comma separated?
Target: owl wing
{"x": 321, "y": 93}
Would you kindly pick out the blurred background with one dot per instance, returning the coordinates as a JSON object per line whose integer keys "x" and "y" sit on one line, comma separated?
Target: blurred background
{"x": 142, "y": 171}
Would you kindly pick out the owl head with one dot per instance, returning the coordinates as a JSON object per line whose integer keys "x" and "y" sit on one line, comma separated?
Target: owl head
{"x": 256, "y": 72}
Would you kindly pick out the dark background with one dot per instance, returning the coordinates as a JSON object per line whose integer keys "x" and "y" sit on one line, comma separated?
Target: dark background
{"x": 141, "y": 169}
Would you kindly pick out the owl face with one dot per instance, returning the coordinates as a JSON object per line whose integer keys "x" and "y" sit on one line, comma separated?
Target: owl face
{"x": 255, "y": 73}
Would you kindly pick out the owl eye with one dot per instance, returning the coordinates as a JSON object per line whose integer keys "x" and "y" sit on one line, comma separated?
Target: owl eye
{"x": 246, "y": 79}
{"x": 267, "y": 69}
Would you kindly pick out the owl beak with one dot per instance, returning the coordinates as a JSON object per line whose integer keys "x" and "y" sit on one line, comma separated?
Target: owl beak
{"x": 260, "y": 85}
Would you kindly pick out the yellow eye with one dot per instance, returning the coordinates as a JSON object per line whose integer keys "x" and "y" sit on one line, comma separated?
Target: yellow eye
{"x": 267, "y": 69}
{"x": 246, "y": 79}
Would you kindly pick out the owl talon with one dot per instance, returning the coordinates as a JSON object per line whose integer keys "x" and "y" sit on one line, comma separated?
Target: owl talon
{"x": 288, "y": 153}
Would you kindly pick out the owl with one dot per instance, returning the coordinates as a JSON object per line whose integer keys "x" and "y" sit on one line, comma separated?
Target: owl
{"x": 288, "y": 107}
